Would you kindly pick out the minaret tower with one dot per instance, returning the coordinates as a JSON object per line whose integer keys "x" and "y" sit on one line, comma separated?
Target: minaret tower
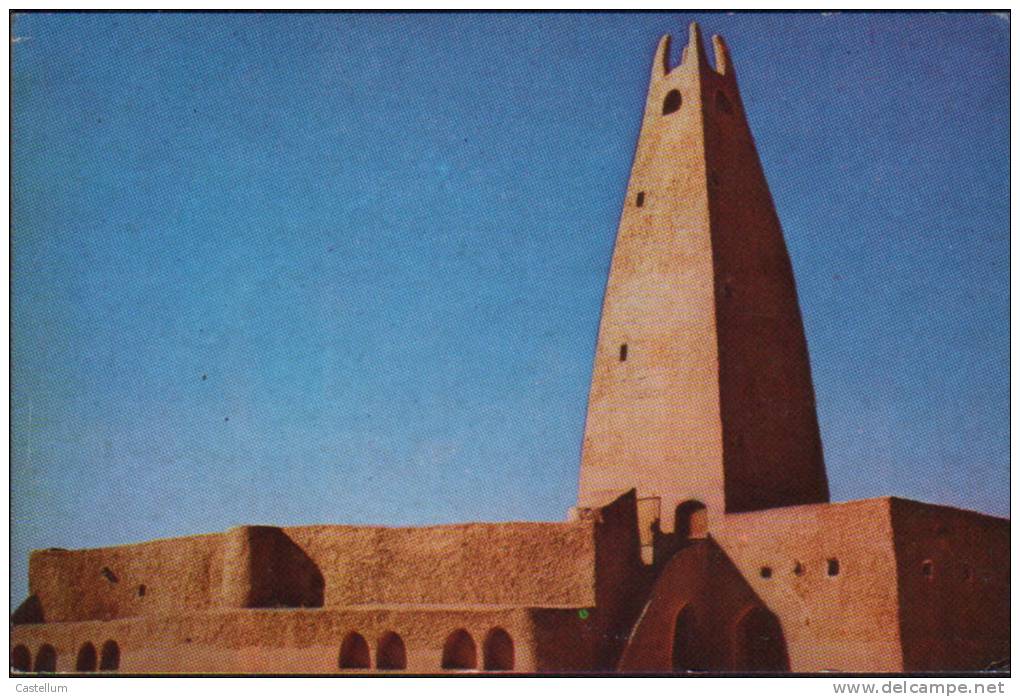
{"x": 702, "y": 387}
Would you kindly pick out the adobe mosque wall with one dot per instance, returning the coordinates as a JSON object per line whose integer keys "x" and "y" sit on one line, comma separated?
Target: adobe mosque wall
{"x": 263, "y": 599}
{"x": 540, "y": 564}
{"x": 874, "y": 585}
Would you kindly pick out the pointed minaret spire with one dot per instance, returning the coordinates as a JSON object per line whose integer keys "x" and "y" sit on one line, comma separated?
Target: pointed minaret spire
{"x": 702, "y": 387}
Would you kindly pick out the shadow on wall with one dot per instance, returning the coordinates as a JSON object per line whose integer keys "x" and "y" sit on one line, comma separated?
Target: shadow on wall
{"x": 702, "y": 616}
{"x": 280, "y": 573}
{"x": 29, "y": 612}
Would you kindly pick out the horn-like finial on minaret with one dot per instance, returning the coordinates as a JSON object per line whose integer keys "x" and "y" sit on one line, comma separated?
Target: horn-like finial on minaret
{"x": 660, "y": 66}
{"x": 695, "y": 50}
{"x": 723, "y": 62}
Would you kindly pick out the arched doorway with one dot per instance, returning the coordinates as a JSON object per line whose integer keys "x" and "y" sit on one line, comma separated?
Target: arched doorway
{"x": 498, "y": 653}
{"x": 760, "y": 644}
{"x": 459, "y": 652}
{"x": 354, "y": 652}
{"x": 688, "y": 654}
{"x": 109, "y": 657}
{"x": 691, "y": 521}
{"x": 86, "y": 661}
{"x": 21, "y": 659}
{"x": 391, "y": 654}
{"x": 46, "y": 659}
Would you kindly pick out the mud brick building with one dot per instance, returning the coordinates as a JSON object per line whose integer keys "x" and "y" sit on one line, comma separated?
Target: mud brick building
{"x": 703, "y": 538}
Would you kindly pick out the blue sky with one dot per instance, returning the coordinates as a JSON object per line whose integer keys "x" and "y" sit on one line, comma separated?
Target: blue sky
{"x": 292, "y": 269}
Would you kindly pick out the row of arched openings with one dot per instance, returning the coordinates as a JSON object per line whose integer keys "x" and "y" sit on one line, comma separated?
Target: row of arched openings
{"x": 459, "y": 652}
{"x": 87, "y": 661}
{"x": 391, "y": 654}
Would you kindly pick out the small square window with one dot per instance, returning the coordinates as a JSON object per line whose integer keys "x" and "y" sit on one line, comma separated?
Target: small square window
{"x": 640, "y": 199}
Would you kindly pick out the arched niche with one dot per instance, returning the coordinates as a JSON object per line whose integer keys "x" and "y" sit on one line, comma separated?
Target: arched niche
{"x": 391, "y": 653}
{"x": 459, "y": 652}
{"x": 354, "y": 652}
{"x": 498, "y": 652}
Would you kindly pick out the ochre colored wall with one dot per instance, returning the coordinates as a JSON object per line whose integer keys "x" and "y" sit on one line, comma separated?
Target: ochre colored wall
{"x": 502, "y": 563}
{"x": 179, "y": 575}
{"x": 846, "y": 622}
{"x": 422, "y": 583}
{"x": 281, "y": 641}
{"x": 957, "y": 616}
{"x": 851, "y": 621}
{"x": 524, "y": 564}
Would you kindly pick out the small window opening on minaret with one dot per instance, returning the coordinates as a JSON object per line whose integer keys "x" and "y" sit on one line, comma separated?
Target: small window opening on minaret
{"x": 640, "y": 199}
{"x": 722, "y": 102}
{"x": 928, "y": 568}
{"x": 672, "y": 102}
{"x": 766, "y": 572}
{"x": 833, "y": 567}
{"x": 623, "y": 352}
